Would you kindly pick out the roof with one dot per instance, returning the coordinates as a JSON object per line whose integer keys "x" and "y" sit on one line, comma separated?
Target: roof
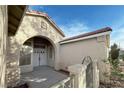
{"x": 42, "y": 14}
{"x": 15, "y": 16}
{"x": 106, "y": 29}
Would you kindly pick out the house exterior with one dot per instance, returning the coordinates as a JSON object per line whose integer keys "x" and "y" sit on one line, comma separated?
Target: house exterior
{"x": 37, "y": 30}
{"x": 38, "y": 41}
{"x": 94, "y": 44}
{"x": 10, "y": 19}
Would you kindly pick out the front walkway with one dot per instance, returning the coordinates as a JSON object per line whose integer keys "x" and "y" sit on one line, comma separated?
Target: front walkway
{"x": 43, "y": 77}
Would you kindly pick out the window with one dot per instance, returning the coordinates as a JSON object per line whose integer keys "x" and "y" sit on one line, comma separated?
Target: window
{"x": 25, "y": 54}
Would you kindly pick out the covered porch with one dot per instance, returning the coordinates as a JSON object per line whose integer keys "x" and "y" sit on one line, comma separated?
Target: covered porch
{"x": 44, "y": 77}
{"x": 36, "y": 52}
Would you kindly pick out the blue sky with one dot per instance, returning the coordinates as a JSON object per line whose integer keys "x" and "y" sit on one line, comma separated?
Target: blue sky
{"x": 74, "y": 20}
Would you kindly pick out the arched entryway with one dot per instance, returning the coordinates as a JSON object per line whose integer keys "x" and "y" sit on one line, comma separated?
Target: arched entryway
{"x": 36, "y": 51}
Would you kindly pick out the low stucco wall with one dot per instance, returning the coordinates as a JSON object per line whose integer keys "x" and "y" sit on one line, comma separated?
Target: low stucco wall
{"x": 74, "y": 52}
{"x": 26, "y": 68}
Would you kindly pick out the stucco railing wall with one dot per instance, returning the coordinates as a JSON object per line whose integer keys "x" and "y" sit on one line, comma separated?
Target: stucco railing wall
{"x": 78, "y": 74}
{"x": 79, "y": 78}
{"x": 3, "y": 43}
{"x": 96, "y": 80}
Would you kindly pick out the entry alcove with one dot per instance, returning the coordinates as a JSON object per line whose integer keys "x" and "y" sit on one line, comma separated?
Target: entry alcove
{"x": 36, "y": 51}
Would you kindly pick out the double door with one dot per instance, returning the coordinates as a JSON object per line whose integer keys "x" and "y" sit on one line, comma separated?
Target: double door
{"x": 39, "y": 57}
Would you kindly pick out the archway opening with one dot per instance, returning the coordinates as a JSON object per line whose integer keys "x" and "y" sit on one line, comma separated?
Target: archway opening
{"x": 36, "y": 52}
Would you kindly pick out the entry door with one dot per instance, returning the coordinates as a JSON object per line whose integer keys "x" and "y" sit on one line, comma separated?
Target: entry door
{"x": 39, "y": 57}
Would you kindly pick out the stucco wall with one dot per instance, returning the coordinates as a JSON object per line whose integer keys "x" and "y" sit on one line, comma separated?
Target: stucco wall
{"x": 74, "y": 52}
{"x": 26, "y": 68}
{"x": 50, "y": 60}
{"x": 30, "y": 27}
{"x": 3, "y": 43}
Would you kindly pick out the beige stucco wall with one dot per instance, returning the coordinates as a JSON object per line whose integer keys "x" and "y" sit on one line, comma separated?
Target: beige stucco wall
{"x": 74, "y": 52}
{"x": 3, "y": 43}
{"x": 30, "y": 27}
{"x": 50, "y": 60}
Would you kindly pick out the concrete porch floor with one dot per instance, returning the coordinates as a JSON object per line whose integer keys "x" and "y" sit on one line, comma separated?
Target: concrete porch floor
{"x": 43, "y": 77}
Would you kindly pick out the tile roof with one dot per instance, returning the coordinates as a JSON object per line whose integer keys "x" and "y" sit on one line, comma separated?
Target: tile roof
{"x": 106, "y": 29}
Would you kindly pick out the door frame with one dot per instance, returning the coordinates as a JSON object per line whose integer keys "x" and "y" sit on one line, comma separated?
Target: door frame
{"x": 39, "y": 54}
{"x": 32, "y": 55}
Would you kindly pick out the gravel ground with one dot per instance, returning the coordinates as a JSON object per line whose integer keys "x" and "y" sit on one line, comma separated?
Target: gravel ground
{"x": 115, "y": 82}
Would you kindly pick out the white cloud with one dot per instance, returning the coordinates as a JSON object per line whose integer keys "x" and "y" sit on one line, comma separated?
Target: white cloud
{"x": 74, "y": 28}
{"x": 117, "y": 37}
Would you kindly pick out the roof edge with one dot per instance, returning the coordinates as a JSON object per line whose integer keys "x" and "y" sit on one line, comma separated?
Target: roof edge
{"x": 106, "y": 29}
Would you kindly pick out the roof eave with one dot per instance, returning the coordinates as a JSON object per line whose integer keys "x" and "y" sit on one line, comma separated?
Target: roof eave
{"x": 106, "y": 29}
{"x": 15, "y": 16}
{"x": 87, "y": 37}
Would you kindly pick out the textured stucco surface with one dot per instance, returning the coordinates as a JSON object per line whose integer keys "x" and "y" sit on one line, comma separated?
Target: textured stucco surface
{"x": 65, "y": 54}
{"x": 74, "y": 52}
{"x": 30, "y": 27}
{"x": 3, "y": 43}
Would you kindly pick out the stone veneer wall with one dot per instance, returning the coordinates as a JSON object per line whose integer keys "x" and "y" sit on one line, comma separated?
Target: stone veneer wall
{"x": 30, "y": 27}
{"x": 13, "y": 70}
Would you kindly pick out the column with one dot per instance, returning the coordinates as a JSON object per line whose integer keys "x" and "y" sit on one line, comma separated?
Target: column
{"x": 3, "y": 43}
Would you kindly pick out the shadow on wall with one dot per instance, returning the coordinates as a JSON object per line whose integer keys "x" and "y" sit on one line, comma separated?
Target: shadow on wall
{"x": 15, "y": 44}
